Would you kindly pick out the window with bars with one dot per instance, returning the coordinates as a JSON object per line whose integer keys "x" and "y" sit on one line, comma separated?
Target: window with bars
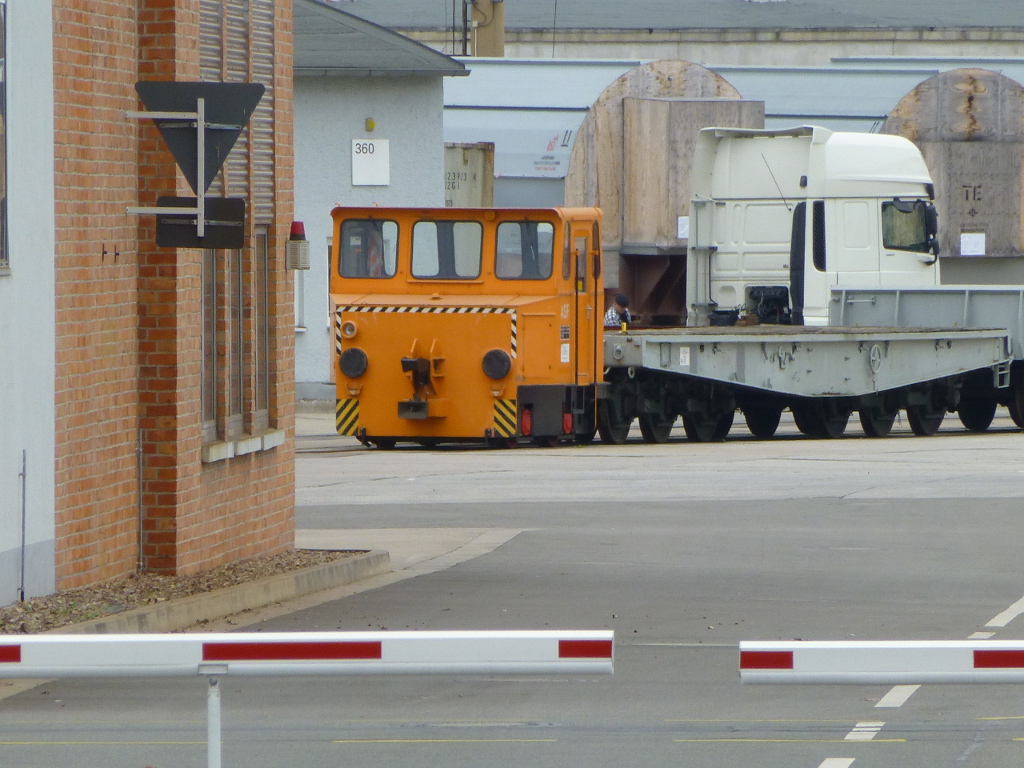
{"x": 236, "y": 341}
{"x": 237, "y": 44}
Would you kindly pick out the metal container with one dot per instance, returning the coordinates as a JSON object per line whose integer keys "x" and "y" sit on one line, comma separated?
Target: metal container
{"x": 969, "y": 125}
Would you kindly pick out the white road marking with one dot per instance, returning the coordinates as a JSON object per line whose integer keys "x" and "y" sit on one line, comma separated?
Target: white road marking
{"x": 1008, "y": 615}
{"x": 898, "y": 696}
{"x": 981, "y": 636}
{"x": 837, "y": 762}
{"x": 864, "y": 731}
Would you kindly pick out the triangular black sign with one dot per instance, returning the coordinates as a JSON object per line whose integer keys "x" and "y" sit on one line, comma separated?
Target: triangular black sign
{"x": 228, "y": 108}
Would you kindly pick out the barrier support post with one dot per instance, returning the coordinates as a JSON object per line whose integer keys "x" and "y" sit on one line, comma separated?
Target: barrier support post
{"x": 213, "y": 750}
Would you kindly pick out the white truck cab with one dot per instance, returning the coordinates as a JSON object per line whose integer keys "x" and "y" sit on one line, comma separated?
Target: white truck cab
{"x": 779, "y": 218}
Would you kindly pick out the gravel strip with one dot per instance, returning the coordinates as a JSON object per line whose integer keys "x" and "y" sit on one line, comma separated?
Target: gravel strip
{"x": 71, "y": 606}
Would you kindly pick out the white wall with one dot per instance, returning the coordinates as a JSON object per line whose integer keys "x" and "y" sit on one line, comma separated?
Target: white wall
{"x": 329, "y": 113}
{"x": 27, "y": 306}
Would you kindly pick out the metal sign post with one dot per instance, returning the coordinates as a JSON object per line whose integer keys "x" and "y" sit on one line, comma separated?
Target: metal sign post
{"x": 200, "y": 141}
{"x": 584, "y": 652}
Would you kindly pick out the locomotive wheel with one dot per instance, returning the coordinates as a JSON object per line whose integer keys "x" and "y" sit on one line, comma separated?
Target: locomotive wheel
{"x": 655, "y": 428}
{"x": 545, "y": 442}
{"x": 976, "y": 413}
{"x": 924, "y": 421}
{"x": 612, "y": 432}
{"x": 384, "y": 443}
{"x": 708, "y": 430}
{"x": 877, "y": 422}
{"x": 500, "y": 442}
{"x": 763, "y": 420}
{"x": 821, "y": 418}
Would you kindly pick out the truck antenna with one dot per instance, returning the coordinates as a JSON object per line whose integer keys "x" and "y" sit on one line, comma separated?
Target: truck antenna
{"x": 784, "y": 200}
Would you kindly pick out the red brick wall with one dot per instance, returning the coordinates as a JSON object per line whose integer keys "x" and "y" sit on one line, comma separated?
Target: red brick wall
{"x": 96, "y": 347}
{"x": 129, "y": 327}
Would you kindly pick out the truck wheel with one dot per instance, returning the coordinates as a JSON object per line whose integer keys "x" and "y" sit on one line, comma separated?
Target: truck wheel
{"x": 763, "y": 420}
{"x": 708, "y": 429}
{"x": 877, "y": 422}
{"x": 612, "y": 430}
{"x": 821, "y": 418}
{"x": 924, "y": 421}
{"x": 655, "y": 428}
{"x": 976, "y": 413}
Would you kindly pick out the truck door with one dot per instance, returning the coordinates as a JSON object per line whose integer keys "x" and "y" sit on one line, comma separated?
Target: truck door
{"x": 585, "y": 315}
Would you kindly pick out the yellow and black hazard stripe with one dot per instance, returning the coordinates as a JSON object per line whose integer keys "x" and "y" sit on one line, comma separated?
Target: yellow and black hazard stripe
{"x": 346, "y": 417}
{"x": 398, "y": 310}
{"x": 505, "y": 418}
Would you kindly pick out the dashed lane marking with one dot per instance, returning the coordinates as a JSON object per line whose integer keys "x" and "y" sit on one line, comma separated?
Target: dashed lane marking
{"x": 837, "y": 762}
{"x": 864, "y": 731}
{"x": 1008, "y": 615}
{"x": 898, "y": 696}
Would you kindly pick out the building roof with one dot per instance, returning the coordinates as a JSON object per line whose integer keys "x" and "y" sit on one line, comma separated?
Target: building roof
{"x": 700, "y": 14}
{"x": 329, "y": 41}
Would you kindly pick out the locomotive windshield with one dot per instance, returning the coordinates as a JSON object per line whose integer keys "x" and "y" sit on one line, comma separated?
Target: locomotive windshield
{"x": 524, "y": 250}
{"x": 446, "y": 250}
{"x": 368, "y": 248}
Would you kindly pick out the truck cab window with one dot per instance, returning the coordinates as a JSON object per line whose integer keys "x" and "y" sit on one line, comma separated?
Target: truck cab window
{"x": 369, "y": 248}
{"x": 446, "y": 250}
{"x": 524, "y": 250}
{"x": 905, "y": 225}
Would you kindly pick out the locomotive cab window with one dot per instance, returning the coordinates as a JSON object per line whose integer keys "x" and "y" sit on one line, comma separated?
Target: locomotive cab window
{"x": 368, "y": 248}
{"x": 524, "y": 250}
{"x": 446, "y": 250}
{"x": 905, "y": 225}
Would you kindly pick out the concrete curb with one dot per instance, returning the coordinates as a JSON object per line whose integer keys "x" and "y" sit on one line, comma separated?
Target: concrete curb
{"x": 176, "y": 615}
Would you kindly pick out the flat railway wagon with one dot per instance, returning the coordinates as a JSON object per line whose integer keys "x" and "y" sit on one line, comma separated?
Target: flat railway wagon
{"x": 457, "y": 325}
{"x": 486, "y": 325}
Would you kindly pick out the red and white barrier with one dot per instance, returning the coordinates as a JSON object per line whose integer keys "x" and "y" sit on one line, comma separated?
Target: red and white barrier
{"x": 585, "y": 652}
{"x": 888, "y": 662}
{"x": 307, "y": 653}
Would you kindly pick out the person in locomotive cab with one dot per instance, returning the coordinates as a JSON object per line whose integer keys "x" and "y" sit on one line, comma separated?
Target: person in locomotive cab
{"x": 618, "y": 313}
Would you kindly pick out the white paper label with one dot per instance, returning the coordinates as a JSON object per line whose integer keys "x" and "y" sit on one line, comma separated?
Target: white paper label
{"x": 972, "y": 243}
{"x": 684, "y": 357}
{"x": 683, "y": 228}
{"x": 371, "y": 163}
{"x": 565, "y": 353}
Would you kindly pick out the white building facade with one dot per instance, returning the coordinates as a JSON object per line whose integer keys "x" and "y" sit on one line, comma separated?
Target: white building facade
{"x": 356, "y": 82}
{"x": 27, "y": 333}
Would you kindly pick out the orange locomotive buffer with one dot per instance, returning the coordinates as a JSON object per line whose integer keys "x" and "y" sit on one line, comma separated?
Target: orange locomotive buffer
{"x": 473, "y": 324}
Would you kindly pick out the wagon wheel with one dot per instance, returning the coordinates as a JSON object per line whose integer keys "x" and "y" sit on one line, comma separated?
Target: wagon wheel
{"x": 822, "y": 417}
{"x": 877, "y": 422}
{"x": 1016, "y": 405}
{"x": 613, "y": 430}
{"x": 976, "y": 413}
{"x": 708, "y": 429}
{"x": 655, "y": 428}
{"x": 763, "y": 419}
{"x": 924, "y": 420}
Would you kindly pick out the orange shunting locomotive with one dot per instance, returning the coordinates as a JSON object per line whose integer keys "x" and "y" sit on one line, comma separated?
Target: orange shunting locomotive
{"x": 457, "y": 325}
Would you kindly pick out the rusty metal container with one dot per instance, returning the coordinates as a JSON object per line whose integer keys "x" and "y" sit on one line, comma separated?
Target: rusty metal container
{"x": 632, "y": 158}
{"x": 969, "y": 125}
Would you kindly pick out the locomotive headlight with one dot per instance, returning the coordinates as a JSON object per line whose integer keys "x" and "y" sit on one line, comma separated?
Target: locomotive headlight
{"x": 353, "y": 362}
{"x": 348, "y": 329}
{"x": 497, "y": 364}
